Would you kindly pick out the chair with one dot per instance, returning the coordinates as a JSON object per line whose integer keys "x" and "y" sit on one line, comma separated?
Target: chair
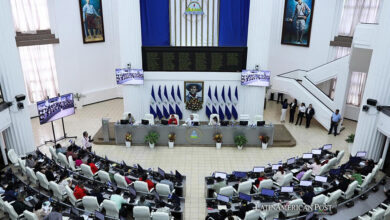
{"x": 177, "y": 119}
{"x": 11, "y": 212}
{"x": 332, "y": 162}
{"x": 332, "y": 197}
{"x": 29, "y": 215}
{"x": 272, "y": 213}
{"x": 86, "y": 170}
{"x": 120, "y": 181}
{"x": 252, "y": 215}
{"x": 104, "y": 176}
{"x": 324, "y": 169}
{"x": 72, "y": 199}
{"x": 163, "y": 190}
{"x": 2, "y": 204}
{"x": 318, "y": 200}
{"x": 226, "y": 191}
{"x": 90, "y": 203}
{"x": 265, "y": 184}
{"x": 212, "y": 116}
{"x": 257, "y": 118}
{"x": 376, "y": 214}
{"x": 380, "y": 163}
{"x": 286, "y": 181}
{"x": 350, "y": 190}
{"x": 141, "y": 187}
{"x": 340, "y": 156}
{"x": 31, "y": 175}
{"x": 160, "y": 216}
{"x": 125, "y": 115}
{"x": 196, "y": 117}
{"x": 56, "y": 191}
{"x": 111, "y": 208}
{"x": 13, "y": 157}
{"x": 141, "y": 213}
{"x": 306, "y": 175}
{"x": 294, "y": 212}
{"x": 375, "y": 171}
{"x": 53, "y": 153}
{"x": 22, "y": 165}
{"x": 43, "y": 182}
{"x": 62, "y": 159}
{"x": 150, "y": 118}
{"x": 245, "y": 187}
{"x": 386, "y": 208}
{"x": 72, "y": 164}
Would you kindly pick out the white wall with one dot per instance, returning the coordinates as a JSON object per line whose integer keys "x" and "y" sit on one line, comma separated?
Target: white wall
{"x": 5, "y": 119}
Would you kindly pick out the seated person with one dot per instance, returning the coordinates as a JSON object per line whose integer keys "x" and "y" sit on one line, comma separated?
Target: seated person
{"x": 49, "y": 174}
{"x": 316, "y": 166}
{"x": 367, "y": 168}
{"x": 30, "y": 162}
{"x": 214, "y": 121}
{"x": 130, "y": 118}
{"x": 10, "y": 194}
{"x": 245, "y": 207}
{"x": 357, "y": 176}
{"x": 167, "y": 182}
{"x": 78, "y": 161}
{"x": 278, "y": 177}
{"x": 128, "y": 181}
{"x": 301, "y": 173}
{"x": 231, "y": 216}
{"x": 59, "y": 149}
{"x": 107, "y": 169}
{"x": 19, "y": 206}
{"x": 64, "y": 181}
{"x": 79, "y": 191}
{"x": 97, "y": 193}
{"x": 39, "y": 211}
{"x": 261, "y": 178}
{"x": 190, "y": 121}
{"x": 172, "y": 120}
{"x": 94, "y": 168}
{"x": 343, "y": 183}
{"x": 118, "y": 199}
{"x": 148, "y": 181}
{"x": 70, "y": 152}
{"x": 219, "y": 184}
{"x": 308, "y": 195}
{"x": 55, "y": 214}
{"x": 142, "y": 202}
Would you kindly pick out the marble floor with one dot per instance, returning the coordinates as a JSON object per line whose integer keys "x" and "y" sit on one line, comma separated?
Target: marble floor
{"x": 194, "y": 162}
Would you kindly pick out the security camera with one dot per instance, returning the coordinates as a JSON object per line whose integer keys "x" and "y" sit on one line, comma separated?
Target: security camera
{"x": 20, "y": 98}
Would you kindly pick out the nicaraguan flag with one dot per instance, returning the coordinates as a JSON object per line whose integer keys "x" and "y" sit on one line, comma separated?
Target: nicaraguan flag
{"x": 227, "y": 113}
{"x": 159, "y": 93}
{"x": 221, "y": 114}
{"x": 178, "y": 112}
{"x": 214, "y": 110}
{"x": 166, "y": 93}
{"x": 208, "y": 112}
{"x": 178, "y": 93}
{"x": 173, "y": 94}
{"x": 171, "y": 110}
{"x": 158, "y": 112}
{"x": 209, "y": 95}
{"x": 151, "y": 111}
{"x": 152, "y": 94}
{"x": 165, "y": 112}
{"x": 223, "y": 94}
{"x": 236, "y": 94}
{"x": 216, "y": 93}
{"x": 234, "y": 113}
{"x": 230, "y": 94}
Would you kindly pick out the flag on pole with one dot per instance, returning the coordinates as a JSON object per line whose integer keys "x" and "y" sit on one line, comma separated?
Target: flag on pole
{"x": 158, "y": 112}
{"x": 151, "y": 111}
{"x": 230, "y": 94}
{"x": 223, "y": 94}
{"x": 208, "y": 112}
{"x": 236, "y": 94}
{"x": 209, "y": 94}
{"x": 173, "y": 94}
{"x": 227, "y": 113}
{"x": 178, "y": 112}
{"x": 178, "y": 92}
{"x": 153, "y": 96}
{"x": 171, "y": 110}
{"x": 214, "y": 110}
{"x": 165, "y": 112}
{"x": 221, "y": 114}
{"x": 159, "y": 93}
{"x": 216, "y": 93}
{"x": 234, "y": 113}
{"x": 166, "y": 93}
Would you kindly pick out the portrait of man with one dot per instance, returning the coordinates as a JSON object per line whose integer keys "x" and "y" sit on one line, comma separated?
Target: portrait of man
{"x": 194, "y": 90}
{"x": 91, "y": 13}
{"x": 297, "y": 19}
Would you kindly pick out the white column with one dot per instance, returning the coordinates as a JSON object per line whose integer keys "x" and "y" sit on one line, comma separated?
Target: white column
{"x": 19, "y": 135}
{"x": 2, "y": 147}
{"x": 367, "y": 137}
{"x": 385, "y": 151}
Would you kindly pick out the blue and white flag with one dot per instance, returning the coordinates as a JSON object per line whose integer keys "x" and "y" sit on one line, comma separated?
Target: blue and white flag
{"x": 178, "y": 112}
{"x": 166, "y": 93}
{"x": 159, "y": 93}
{"x": 230, "y": 95}
{"x": 173, "y": 94}
{"x": 151, "y": 111}
{"x": 209, "y": 95}
{"x": 236, "y": 94}
{"x": 221, "y": 114}
{"x": 214, "y": 110}
{"x": 223, "y": 94}
{"x": 165, "y": 112}
{"x": 158, "y": 112}
{"x": 227, "y": 113}
{"x": 171, "y": 110}
{"x": 152, "y": 94}
{"x": 216, "y": 94}
{"x": 178, "y": 92}
{"x": 208, "y": 112}
{"x": 234, "y": 113}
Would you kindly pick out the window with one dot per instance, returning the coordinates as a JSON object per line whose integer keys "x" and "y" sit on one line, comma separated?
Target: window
{"x": 356, "y": 89}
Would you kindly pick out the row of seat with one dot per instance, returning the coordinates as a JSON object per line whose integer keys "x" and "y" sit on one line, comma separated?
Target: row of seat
{"x": 378, "y": 213}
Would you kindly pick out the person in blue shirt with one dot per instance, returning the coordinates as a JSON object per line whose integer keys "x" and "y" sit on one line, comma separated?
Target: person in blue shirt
{"x": 89, "y": 14}
{"x": 334, "y": 122}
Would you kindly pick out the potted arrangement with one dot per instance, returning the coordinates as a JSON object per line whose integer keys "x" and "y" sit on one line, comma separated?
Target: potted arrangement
{"x": 128, "y": 138}
{"x": 350, "y": 140}
{"x": 218, "y": 140}
{"x": 171, "y": 138}
{"x": 240, "y": 141}
{"x": 152, "y": 138}
{"x": 264, "y": 141}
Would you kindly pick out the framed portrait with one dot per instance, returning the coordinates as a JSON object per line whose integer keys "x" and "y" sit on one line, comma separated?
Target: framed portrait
{"x": 91, "y": 15}
{"x": 194, "y": 95}
{"x": 297, "y": 20}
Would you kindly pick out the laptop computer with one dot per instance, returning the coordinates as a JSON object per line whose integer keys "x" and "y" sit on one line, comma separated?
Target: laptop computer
{"x": 245, "y": 197}
{"x": 244, "y": 123}
{"x": 164, "y": 122}
{"x": 224, "y": 123}
{"x": 260, "y": 123}
{"x": 144, "y": 122}
{"x": 196, "y": 123}
{"x": 124, "y": 122}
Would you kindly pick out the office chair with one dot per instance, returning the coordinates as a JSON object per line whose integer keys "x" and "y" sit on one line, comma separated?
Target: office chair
{"x": 375, "y": 215}
{"x": 125, "y": 114}
{"x": 252, "y": 215}
{"x": 90, "y": 203}
{"x": 286, "y": 181}
{"x": 363, "y": 187}
{"x": 196, "y": 117}
{"x": 333, "y": 197}
{"x": 29, "y": 215}
{"x": 43, "y": 182}
{"x": 2, "y": 204}
{"x": 293, "y": 212}
{"x": 56, "y": 191}
{"x": 141, "y": 213}
{"x": 53, "y": 154}
{"x": 212, "y": 116}
{"x": 160, "y": 216}
{"x": 324, "y": 169}
{"x": 380, "y": 163}
{"x": 350, "y": 190}
{"x": 272, "y": 213}
{"x": 31, "y": 175}
{"x": 226, "y": 191}
{"x": 120, "y": 181}
{"x": 111, "y": 208}
{"x": 86, "y": 170}
{"x": 306, "y": 175}
{"x": 22, "y": 165}
{"x": 72, "y": 199}
{"x": 318, "y": 200}
{"x": 386, "y": 208}
{"x": 13, "y": 157}
{"x": 340, "y": 156}
{"x": 332, "y": 162}
{"x": 72, "y": 164}
{"x": 62, "y": 159}
{"x": 141, "y": 187}
{"x": 245, "y": 187}
{"x": 104, "y": 176}
{"x": 265, "y": 184}
{"x": 178, "y": 119}
{"x": 150, "y": 118}
{"x": 375, "y": 171}
{"x": 163, "y": 190}
{"x": 9, "y": 209}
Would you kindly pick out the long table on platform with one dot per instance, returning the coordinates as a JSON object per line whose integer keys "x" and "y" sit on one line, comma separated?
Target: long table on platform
{"x": 194, "y": 135}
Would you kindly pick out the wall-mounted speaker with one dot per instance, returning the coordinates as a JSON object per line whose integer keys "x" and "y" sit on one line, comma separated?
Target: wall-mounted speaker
{"x": 371, "y": 102}
{"x": 365, "y": 108}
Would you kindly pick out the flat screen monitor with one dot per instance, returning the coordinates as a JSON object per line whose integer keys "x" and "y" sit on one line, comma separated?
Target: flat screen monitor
{"x": 316, "y": 152}
{"x": 275, "y": 166}
{"x": 305, "y": 183}
{"x": 99, "y": 215}
{"x": 260, "y": 123}
{"x": 220, "y": 174}
{"x": 224, "y": 123}
{"x": 124, "y": 121}
{"x": 255, "y": 78}
{"x": 245, "y": 197}
{"x": 144, "y": 122}
{"x": 239, "y": 174}
{"x": 123, "y": 163}
{"x": 140, "y": 169}
{"x": 267, "y": 192}
{"x": 287, "y": 189}
{"x": 55, "y": 108}
{"x": 307, "y": 156}
{"x": 129, "y": 76}
{"x": 244, "y": 123}
{"x": 327, "y": 147}
{"x": 178, "y": 175}
{"x": 361, "y": 154}
{"x": 335, "y": 172}
{"x": 321, "y": 179}
{"x": 291, "y": 161}
{"x": 164, "y": 122}
{"x": 161, "y": 172}
{"x": 222, "y": 198}
{"x": 258, "y": 169}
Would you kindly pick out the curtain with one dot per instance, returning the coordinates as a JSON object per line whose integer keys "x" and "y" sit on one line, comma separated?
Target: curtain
{"x": 155, "y": 22}
{"x": 233, "y": 22}
{"x": 356, "y": 89}
{"x": 30, "y": 15}
{"x": 358, "y": 11}
{"x": 39, "y": 71}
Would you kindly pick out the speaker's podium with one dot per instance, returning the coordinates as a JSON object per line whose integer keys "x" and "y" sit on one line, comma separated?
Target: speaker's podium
{"x": 105, "y": 129}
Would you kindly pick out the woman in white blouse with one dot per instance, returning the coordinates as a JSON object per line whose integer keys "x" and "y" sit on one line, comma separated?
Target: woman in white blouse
{"x": 279, "y": 176}
{"x": 316, "y": 166}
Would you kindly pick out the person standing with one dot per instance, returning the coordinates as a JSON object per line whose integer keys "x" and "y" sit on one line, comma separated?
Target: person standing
{"x": 334, "y": 122}
{"x": 284, "y": 110}
{"x": 86, "y": 142}
{"x": 301, "y": 113}
{"x": 293, "y": 107}
{"x": 309, "y": 115}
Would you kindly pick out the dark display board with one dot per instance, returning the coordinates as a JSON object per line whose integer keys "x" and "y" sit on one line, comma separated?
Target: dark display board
{"x": 197, "y": 59}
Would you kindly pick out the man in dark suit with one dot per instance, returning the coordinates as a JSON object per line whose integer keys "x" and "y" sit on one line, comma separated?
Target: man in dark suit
{"x": 309, "y": 115}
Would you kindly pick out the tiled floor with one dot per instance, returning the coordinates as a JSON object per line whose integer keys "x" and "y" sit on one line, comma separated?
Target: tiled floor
{"x": 194, "y": 162}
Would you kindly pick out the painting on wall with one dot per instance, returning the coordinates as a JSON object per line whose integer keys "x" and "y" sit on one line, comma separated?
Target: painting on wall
{"x": 194, "y": 95}
{"x": 297, "y": 20}
{"x": 91, "y": 13}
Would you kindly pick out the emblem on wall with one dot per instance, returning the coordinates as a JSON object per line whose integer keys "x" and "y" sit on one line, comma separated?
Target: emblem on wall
{"x": 194, "y": 135}
{"x": 194, "y": 8}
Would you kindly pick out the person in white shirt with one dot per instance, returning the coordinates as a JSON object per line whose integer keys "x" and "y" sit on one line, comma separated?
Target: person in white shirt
{"x": 190, "y": 121}
{"x": 278, "y": 177}
{"x": 214, "y": 121}
{"x": 316, "y": 166}
{"x": 85, "y": 143}
{"x": 301, "y": 113}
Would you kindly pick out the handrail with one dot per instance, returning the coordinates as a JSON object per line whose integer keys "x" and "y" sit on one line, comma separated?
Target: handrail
{"x": 317, "y": 87}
